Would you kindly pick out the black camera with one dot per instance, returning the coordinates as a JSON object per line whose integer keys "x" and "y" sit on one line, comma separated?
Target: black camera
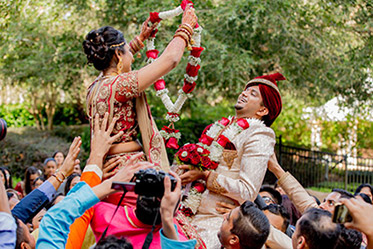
{"x": 149, "y": 182}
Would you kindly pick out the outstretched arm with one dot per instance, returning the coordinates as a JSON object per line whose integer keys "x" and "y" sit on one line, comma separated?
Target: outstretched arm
{"x": 297, "y": 194}
{"x": 7, "y": 223}
{"x": 92, "y": 175}
{"x": 169, "y": 58}
{"x": 169, "y": 203}
{"x": 54, "y": 228}
{"x": 30, "y": 205}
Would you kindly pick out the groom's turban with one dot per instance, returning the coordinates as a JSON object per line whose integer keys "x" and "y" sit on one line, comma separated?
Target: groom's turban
{"x": 270, "y": 95}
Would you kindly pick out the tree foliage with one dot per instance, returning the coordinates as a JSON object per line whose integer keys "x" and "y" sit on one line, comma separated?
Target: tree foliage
{"x": 323, "y": 48}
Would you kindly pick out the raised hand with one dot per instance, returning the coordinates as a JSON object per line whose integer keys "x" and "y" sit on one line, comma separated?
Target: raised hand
{"x": 108, "y": 170}
{"x": 362, "y": 218}
{"x": 126, "y": 173}
{"x": 223, "y": 207}
{"x": 101, "y": 139}
{"x": 189, "y": 17}
{"x": 192, "y": 174}
{"x": 275, "y": 167}
{"x": 169, "y": 203}
{"x": 71, "y": 160}
{"x": 146, "y": 31}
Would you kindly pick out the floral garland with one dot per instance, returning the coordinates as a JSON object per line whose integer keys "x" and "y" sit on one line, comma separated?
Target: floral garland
{"x": 206, "y": 155}
{"x": 171, "y": 135}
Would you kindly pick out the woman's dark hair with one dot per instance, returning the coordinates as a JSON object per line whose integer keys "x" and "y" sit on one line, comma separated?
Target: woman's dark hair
{"x": 30, "y": 171}
{"x": 111, "y": 242}
{"x": 364, "y": 185}
{"x": 99, "y": 46}
{"x": 68, "y": 182}
{"x": 48, "y": 160}
{"x": 5, "y": 180}
{"x": 10, "y": 181}
{"x": 37, "y": 179}
{"x": 58, "y": 151}
{"x": 147, "y": 209}
{"x": 281, "y": 211}
{"x": 365, "y": 197}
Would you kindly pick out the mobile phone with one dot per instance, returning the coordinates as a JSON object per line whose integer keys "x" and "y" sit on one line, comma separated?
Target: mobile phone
{"x": 128, "y": 186}
{"x": 341, "y": 214}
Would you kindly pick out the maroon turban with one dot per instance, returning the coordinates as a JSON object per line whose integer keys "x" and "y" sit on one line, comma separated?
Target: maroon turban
{"x": 270, "y": 94}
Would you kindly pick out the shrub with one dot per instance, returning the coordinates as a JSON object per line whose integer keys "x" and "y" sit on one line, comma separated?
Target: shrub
{"x": 16, "y": 115}
{"x": 24, "y": 147}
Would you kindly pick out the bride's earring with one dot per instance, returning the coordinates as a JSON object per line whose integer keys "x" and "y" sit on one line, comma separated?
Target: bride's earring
{"x": 119, "y": 66}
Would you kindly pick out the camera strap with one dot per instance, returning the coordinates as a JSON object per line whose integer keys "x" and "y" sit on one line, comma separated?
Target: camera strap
{"x": 120, "y": 201}
{"x": 149, "y": 237}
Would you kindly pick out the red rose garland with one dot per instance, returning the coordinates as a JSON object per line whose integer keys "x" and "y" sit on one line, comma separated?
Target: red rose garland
{"x": 207, "y": 153}
{"x": 171, "y": 135}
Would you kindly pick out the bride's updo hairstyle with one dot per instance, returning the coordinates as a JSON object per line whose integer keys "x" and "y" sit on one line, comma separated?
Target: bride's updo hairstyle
{"x": 99, "y": 46}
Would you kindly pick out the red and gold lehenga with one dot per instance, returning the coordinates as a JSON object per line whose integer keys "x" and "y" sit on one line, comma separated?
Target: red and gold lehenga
{"x": 120, "y": 96}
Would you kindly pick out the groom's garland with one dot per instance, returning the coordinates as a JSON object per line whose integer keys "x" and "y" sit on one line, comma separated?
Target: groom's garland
{"x": 170, "y": 134}
{"x": 207, "y": 154}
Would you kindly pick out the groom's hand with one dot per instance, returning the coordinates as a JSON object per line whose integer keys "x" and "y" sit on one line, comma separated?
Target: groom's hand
{"x": 192, "y": 174}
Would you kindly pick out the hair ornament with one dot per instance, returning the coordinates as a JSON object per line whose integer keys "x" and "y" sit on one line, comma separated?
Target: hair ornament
{"x": 117, "y": 45}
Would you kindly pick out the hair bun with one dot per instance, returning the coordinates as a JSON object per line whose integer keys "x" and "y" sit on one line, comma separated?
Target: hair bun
{"x": 97, "y": 46}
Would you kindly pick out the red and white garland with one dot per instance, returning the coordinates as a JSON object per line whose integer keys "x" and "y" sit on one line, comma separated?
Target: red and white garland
{"x": 216, "y": 146}
{"x": 190, "y": 77}
{"x": 211, "y": 145}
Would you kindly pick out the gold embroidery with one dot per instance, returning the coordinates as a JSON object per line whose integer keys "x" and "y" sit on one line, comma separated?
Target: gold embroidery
{"x": 189, "y": 231}
{"x": 154, "y": 152}
{"x": 102, "y": 108}
{"x": 104, "y": 92}
{"x": 229, "y": 156}
{"x": 104, "y": 99}
{"x": 213, "y": 185}
{"x": 128, "y": 85}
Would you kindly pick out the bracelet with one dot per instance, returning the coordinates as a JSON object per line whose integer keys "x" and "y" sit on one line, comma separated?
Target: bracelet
{"x": 185, "y": 37}
{"x": 63, "y": 174}
{"x": 58, "y": 179}
{"x": 187, "y": 27}
{"x": 136, "y": 45}
{"x": 184, "y": 31}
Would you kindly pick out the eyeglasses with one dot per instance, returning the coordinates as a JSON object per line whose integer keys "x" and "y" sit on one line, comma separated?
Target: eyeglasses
{"x": 273, "y": 208}
{"x": 268, "y": 200}
{"x": 331, "y": 203}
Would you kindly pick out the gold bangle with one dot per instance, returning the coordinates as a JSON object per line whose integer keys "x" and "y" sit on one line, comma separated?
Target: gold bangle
{"x": 186, "y": 32}
{"x": 58, "y": 179}
{"x": 136, "y": 45}
{"x": 187, "y": 27}
{"x": 139, "y": 42}
{"x": 59, "y": 171}
{"x": 185, "y": 37}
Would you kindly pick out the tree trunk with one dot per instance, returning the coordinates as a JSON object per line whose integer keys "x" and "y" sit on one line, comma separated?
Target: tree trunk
{"x": 50, "y": 107}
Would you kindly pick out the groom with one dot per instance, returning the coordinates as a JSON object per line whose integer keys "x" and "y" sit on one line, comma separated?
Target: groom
{"x": 242, "y": 157}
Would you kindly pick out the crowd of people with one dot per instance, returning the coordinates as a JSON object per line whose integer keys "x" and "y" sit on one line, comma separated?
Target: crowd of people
{"x": 123, "y": 197}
